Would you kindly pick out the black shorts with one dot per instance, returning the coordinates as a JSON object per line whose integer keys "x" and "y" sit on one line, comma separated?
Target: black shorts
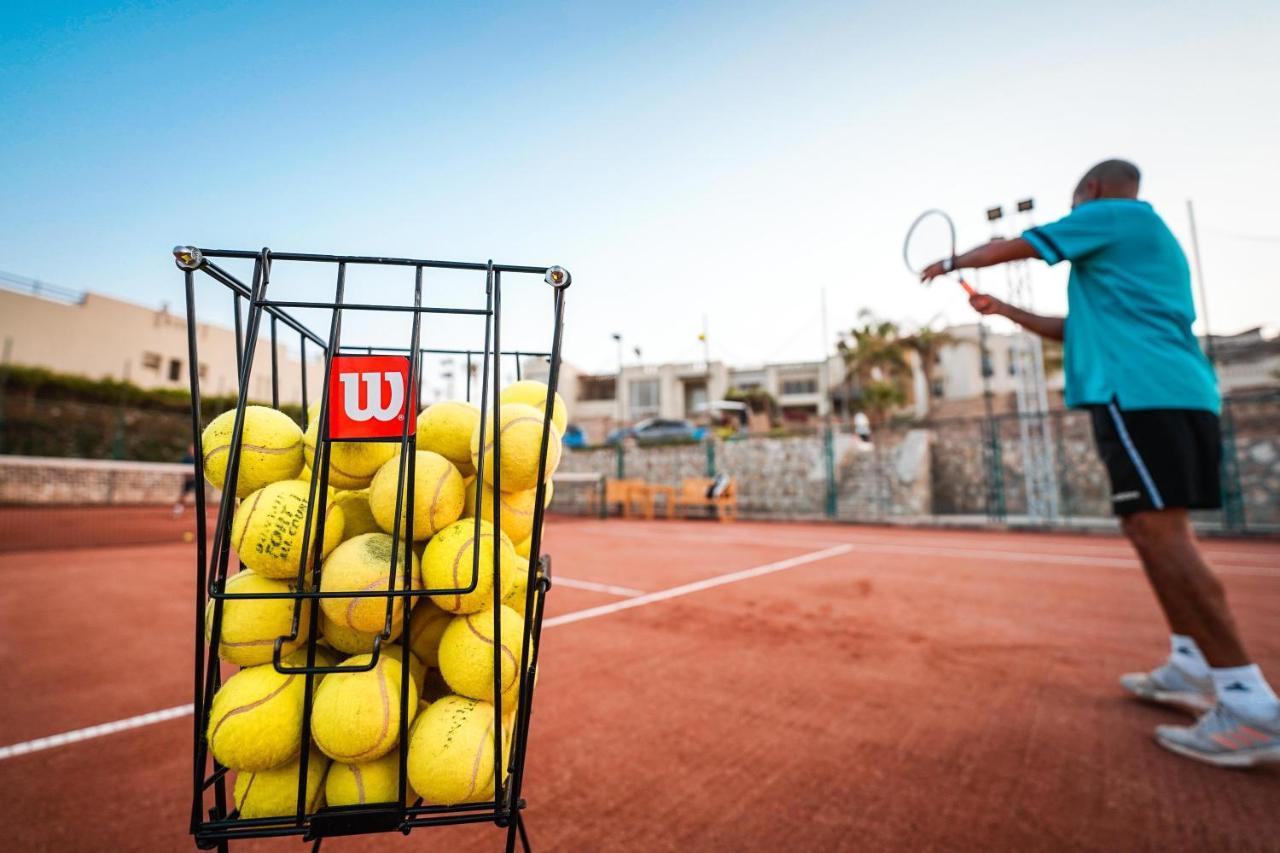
{"x": 1159, "y": 458}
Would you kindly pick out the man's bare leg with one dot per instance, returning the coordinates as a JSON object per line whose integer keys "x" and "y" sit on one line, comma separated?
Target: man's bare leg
{"x": 1190, "y": 594}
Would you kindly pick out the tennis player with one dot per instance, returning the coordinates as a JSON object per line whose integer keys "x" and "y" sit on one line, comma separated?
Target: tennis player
{"x": 1133, "y": 362}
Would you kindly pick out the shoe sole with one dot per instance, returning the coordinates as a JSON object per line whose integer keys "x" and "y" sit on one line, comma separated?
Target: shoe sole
{"x": 1192, "y": 702}
{"x": 1238, "y": 759}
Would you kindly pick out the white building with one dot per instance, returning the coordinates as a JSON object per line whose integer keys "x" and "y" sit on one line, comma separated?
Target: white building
{"x": 100, "y": 337}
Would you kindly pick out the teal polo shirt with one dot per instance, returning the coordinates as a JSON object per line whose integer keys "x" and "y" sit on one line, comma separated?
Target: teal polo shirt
{"x": 1129, "y": 309}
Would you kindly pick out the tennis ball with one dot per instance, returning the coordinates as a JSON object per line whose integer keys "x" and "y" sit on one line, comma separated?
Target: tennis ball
{"x": 437, "y": 495}
{"x": 519, "y": 587}
{"x": 451, "y": 751}
{"x": 255, "y": 722}
{"x": 466, "y": 654}
{"x": 427, "y": 622}
{"x": 376, "y": 781}
{"x": 356, "y": 715}
{"x": 446, "y": 428}
{"x": 274, "y": 792}
{"x": 364, "y": 563}
{"x": 357, "y": 517}
{"x": 268, "y": 528}
{"x": 351, "y": 641}
{"x": 531, "y": 392}
{"x": 250, "y": 626}
{"x": 521, "y": 440}
{"x": 417, "y": 670}
{"x": 449, "y": 563}
{"x": 352, "y": 464}
{"x": 270, "y": 449}
{"x": 517, "y": 510}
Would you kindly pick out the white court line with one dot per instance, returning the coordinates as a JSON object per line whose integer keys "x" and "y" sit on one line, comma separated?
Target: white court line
{"x": 696, "y": 586}
{"x": 625, "y": 591}
{"x": 885, "y": 547}
{"x": 639, "y": 600}
{"x": 95, "y": 731}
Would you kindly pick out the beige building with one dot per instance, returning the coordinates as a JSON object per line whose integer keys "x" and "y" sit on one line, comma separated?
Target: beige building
{"x": 100, "y": 337}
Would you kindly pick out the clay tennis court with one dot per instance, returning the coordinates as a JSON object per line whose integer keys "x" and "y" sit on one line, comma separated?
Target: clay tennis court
{"x": 705, "y": 687}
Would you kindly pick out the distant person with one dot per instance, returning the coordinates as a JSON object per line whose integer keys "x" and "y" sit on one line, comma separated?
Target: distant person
{"x": 188, "y": 482}
{"x": 862, "y": 427}
{"x": 1132, "y": 361}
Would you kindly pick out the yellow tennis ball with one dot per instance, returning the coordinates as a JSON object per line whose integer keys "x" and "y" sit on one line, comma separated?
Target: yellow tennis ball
{"x": 417, "y": 670}
{"x": 353, "y": 642}
{"x": 250, "y": 626}
{"x": 516, "y": 514}
{"x": 270, "y": 449}
{"x": 376, "y": 781}
{"x": 427, "y": 622}
{"x": 449, "y": 563}
{"x": 356, "y": 715}
{"x": 437, "y": 495}
{"x": 466, "y": 654}
{"x": 446, "y": 428}
{"x": 364, "y": 563}
{"x": 274, "y": 792}
{"x": 531, "y": 392}
{"x": 255, "y": 722}
{"x": 357, "y": 517}
{"x": 269, "y": 525}
{"x": 519, "y": 588}
{"x": 521, "y": 440}
{"x": 352, "y": 464}
{"x": 451, "y": 751}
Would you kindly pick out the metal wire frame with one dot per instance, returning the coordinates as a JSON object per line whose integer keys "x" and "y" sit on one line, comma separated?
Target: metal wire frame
{"x": 223, "y": 825}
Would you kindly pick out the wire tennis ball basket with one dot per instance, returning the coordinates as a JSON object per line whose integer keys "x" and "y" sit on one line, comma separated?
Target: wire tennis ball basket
{"x": 269, "y": 328}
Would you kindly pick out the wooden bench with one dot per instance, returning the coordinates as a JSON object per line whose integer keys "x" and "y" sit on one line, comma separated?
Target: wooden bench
{"x": 623, "y": 493}
{"x": 693, "y": 494}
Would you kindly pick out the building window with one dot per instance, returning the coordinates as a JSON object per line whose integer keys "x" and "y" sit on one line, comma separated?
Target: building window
{"x": 175, "y": 370}
{"x": 644, "y": 395}
{"x": 800, "y": 386}
{"x": 204, "y": 371}
{"x": 152, "y": 361}
{"x": 597, "y": 387}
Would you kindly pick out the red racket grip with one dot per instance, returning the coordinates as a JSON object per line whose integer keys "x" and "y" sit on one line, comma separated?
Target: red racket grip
{"x": 967, "y": 289}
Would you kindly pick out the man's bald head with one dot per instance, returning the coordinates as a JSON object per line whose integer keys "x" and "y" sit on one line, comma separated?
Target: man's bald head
{"x": 1108, "y": 179}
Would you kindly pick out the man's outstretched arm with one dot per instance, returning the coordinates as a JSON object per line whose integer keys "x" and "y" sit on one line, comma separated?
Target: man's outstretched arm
{"x": 986, "y": 255}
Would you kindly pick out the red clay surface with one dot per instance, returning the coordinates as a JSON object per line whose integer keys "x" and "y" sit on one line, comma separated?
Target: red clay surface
{"x": 926, "y": 690}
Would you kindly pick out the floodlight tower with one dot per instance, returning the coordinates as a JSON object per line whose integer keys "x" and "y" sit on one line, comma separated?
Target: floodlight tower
{"x": 1035, "y": 431}
{"x": 992, "y": 461}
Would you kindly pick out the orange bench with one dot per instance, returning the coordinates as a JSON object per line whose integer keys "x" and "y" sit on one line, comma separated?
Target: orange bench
{"x": 693, "y": 493}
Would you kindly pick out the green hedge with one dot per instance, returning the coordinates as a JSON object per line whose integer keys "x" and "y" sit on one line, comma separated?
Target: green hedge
{"x": 54, "y": 414}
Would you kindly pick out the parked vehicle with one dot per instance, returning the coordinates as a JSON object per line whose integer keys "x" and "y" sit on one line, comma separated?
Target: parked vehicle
{"x": 574, "y": 436}
{"x": 658, "y": 431}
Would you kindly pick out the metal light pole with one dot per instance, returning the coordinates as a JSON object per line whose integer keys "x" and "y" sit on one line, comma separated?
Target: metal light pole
{"x": 617, "y": 386}
{"x": 1229, "y": 472}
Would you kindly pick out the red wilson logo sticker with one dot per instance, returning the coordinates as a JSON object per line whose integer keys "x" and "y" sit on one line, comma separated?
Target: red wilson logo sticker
{"x": 369, "y": 396}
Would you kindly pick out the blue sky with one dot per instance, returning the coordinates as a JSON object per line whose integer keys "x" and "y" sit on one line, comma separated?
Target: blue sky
{"x": 722, "y": 159}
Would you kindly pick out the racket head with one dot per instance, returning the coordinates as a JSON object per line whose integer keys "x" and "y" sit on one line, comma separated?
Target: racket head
{"x": 931, "y": 237}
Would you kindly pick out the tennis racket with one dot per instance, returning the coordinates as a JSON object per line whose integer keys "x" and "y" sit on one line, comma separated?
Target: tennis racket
{"x": 930, "y": 238}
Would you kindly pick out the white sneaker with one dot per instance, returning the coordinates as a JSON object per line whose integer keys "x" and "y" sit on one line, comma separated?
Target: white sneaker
{"x": 1225, "y": 739}
{"x": 1168, "y": 685}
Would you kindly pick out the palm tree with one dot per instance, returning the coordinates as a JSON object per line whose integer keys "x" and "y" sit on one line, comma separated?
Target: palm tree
{"x": 875, "y": 361}
{"x": 927, "y": 343}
